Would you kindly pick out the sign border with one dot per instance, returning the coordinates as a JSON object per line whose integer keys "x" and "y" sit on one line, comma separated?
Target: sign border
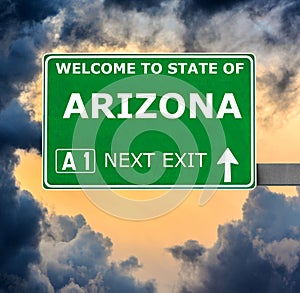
{"x": 250, "y": 56}
{"x": 75, "y": 172}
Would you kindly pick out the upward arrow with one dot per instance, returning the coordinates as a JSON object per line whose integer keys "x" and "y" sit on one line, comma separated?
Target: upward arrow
{"x": 227, "y": 159}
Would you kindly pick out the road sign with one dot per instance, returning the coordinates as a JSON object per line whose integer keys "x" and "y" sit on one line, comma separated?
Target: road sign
{"x": 154, "y": 121}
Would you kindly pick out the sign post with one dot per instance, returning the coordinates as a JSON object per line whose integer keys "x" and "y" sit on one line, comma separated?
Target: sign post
{"x": 149, "y": 121}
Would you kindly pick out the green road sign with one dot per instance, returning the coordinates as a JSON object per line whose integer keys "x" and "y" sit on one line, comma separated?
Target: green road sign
{"x": 154, "y": 121}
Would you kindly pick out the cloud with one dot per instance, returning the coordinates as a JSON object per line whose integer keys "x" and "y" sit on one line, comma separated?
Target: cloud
{"x": 20, "y": 44}
{"x": 20, "y": 226}
{"x": 129, "y": 264}
{"x": 137, "y": 5}
{"x": 116, "y": 281}
{"x": 20, "y": 214}
{"x": 189, "y": 252}
{"x": 71, "y": 258}
{"x": 20, "y": 217}
{"x": 259, "y": 253}
{"x": 22, "y": 11}
{"x": 291, "y": 20}
{"x": 74, "y": 257}
{"x": 284, "y": 83}
{"x": 72, "y": 288}
{"x": 80, "y": 258}
{"x": 191, "y": 8}
{"x": 17, "y": 66}
{"x": 110, "y": 25}
{"x": 18, "y": 130}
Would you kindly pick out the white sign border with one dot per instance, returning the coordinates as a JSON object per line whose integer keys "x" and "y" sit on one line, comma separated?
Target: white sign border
{"x": 48, "y": 56}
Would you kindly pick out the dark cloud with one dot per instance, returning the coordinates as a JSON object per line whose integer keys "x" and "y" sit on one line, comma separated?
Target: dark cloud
{"x": 66, "y": 256}
{"x": 22, "y": 35}
{"x": 80, "y": 258}
{"x": 20, "y": 217}
{"x": 17, "y": 67}
{"x": 189, "y": 252}
{"x": 290, "y": 20}
{"x": 129, "y": 264}
{"x": 18, "y": 17}
{"x": 114, "y": 280}
{"x": 18, "y": 130}
{"x": 63, "y": 228}
{"x": 132, "y": 4}
{"x": 88, "y": 26}
{"x": 27, "y": 11}
{"x": 188, "y": 8}
{"x": 281, "y": 86}
{"x": 20, "y": 214}
{"x": 75, "y": 257}
{"x": 110, "y": 24}
{"x": 203, "y": 29}
{"x": 260, "y": 253}
{"x": 34, "y": 10}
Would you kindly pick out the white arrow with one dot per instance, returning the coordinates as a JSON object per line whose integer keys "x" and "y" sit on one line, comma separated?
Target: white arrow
{"x": 227, "y": 159}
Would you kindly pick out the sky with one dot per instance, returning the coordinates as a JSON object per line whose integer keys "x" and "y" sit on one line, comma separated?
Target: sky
{"x": 58, "y": 241}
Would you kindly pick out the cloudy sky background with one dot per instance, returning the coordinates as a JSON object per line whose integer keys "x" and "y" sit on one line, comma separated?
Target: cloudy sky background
{"x": 257, "y": 246}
